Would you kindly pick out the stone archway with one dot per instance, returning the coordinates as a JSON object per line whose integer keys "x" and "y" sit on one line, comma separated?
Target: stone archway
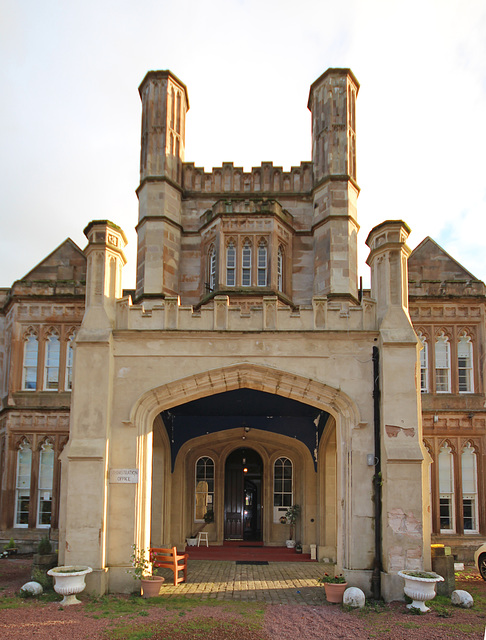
{"x": 237, "y": 376}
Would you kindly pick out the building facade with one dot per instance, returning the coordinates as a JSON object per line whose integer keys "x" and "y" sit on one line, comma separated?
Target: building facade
{"x": 247, "y": 371}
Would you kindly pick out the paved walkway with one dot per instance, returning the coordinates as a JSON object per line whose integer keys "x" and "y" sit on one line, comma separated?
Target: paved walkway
{"x": 276, "y": 583}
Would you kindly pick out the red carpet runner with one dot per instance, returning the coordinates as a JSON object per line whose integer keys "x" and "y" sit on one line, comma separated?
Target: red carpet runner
{"x": 249, "y": 551}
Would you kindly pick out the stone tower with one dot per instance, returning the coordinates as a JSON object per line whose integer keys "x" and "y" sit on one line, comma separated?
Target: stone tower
{"x": 332, "y": 101}
{"x": 164, "y": 106}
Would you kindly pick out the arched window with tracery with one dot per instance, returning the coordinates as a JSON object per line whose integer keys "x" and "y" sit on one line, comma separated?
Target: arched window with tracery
{"x": 246, "y": 264}
{"x": 44, "y": 487}
{"x": 469, "y": 489}
{"x": 446, "y": 489}
{"x": 424, "y": 359}
{"x": 68, "y": 383}
{"x": 31, "y": 352}
{"x": 262, "y": 266}
{"x": 204, "y": 490}
{"x": 465, "y": 364}
{"x": 442, "y": 364}
{"x": 280, "y": 269}
{"x": 51, "y": 367}
{"x": 231, "y": 264}
{"x": 283, "y": 490}
{"x": 22, "y": 485}
{"x": 212, "y": 268}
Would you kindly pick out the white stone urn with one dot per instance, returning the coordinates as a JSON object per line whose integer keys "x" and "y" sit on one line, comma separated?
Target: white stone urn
{"x": 69, "y": 580}
{"x": 420, "y": 587}
{"x": 290, "y": 544}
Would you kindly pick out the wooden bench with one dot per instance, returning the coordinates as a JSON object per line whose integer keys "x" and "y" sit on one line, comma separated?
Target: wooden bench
{"x": 169, "y": 559}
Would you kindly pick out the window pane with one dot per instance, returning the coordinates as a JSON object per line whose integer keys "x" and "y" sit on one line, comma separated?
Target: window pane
{"x": 30, "y": 364}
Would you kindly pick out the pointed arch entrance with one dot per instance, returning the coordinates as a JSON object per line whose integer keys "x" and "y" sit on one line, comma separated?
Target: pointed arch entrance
{"x": 243, "y": 491}
{"x": 174, "y": 512}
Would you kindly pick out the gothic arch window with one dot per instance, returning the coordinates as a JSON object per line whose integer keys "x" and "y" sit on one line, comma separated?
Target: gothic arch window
{"x": 204, "y": 489}
{"x": 283, "y": 483}
{"x": 246, "y": 264}
{"x": 469, "y": 489}
{"x": 31, "y": 352}
{"x": 44, "y": 487}
{"x": 446, "y": 489}
{"x": 22, "y": 485}
{"x": 465, "y": 364}
{"x": 51, "y": 364}
{"x": 212, "y": 268}
{"x": 68, "y": 381}
{"x": 442, "y": 364}
{"x": 231, "y": 264}
{"x": 262, "y": 264}
{"x": 280, "y": 269}
{"x": 424, "y": 359}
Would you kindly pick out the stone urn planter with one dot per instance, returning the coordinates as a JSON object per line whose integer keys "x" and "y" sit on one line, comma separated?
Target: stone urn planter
{"x": 151, "y": 586}
{"x": 191, "y": 542}
{"x": 290, "y": 544}
{"x": 68, "y": 581}
{"x": 420, "y": 587}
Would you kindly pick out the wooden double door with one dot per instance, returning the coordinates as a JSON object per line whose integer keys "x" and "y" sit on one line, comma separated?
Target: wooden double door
{"x": 243, "y": 495}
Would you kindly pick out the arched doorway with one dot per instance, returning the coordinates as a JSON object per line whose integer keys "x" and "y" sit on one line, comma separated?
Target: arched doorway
{"x": 243, "y": 495}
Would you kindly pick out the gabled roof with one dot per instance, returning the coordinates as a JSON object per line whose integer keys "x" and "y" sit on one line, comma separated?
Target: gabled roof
{"x": 66, "y": 262}
{"x": 430, "y": 262}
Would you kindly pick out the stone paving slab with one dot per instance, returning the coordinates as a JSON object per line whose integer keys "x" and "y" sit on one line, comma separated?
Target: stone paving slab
{"x": 275, "y": 583}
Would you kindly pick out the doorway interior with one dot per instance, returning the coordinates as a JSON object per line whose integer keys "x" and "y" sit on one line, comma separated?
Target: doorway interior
{"x": 243, "y": 496}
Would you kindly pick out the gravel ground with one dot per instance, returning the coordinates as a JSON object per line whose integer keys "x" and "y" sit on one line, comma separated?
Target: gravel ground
{"x": 237, "y": 621}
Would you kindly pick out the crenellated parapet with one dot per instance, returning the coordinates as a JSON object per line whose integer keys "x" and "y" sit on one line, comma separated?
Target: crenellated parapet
{"x": 264, "y": 179}
{"x": 323, "y": 315}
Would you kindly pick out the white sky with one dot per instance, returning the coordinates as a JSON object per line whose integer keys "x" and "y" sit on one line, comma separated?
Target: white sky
{"x": 70, "y": 110}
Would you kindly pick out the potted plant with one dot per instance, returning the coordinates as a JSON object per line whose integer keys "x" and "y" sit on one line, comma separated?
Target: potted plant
{"x": 420, "y": 587}
{"x": 68, "y": 581}
{"x": 291, "y": 518}
{"x": 298, "y": 547}
{"x": 209, "y": 516}
{"x": 44, "y": 559}
{"x": 335, "y": 586}
{"x": 143, "y": 571}
{"x": 191, "y": 541}
{"x": 11, "y": 548}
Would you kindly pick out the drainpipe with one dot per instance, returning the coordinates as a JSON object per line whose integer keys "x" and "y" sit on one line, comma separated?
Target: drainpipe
{"x": 377, "y": 479}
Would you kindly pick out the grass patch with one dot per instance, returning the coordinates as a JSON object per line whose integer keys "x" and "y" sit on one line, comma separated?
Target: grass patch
{"x": 203, "y": 627}
{"x": 12, "y": 602}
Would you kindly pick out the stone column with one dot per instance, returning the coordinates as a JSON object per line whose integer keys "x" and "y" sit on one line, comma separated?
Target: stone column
{"x": 84, "y": 487}
{"x": 404, "y": 462}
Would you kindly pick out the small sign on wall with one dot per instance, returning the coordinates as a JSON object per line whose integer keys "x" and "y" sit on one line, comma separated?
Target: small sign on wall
{"x": 123, "y": 476}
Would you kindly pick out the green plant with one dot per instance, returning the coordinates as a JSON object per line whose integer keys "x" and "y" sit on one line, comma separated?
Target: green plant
{"x": 43, "y": 579}
{"x": 209, "y": 516}
{"x": 328, "y": 579}
{"x": 142, "y": 565}
{"x": 291, "y": 515}
{"x": 11, "y": 544}
{"x": 44, "y": 547}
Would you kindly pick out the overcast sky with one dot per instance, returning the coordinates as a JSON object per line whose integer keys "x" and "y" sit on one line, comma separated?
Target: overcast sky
{"x": 70, "y": 109}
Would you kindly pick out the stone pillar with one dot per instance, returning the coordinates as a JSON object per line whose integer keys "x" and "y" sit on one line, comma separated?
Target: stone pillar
{"x": 164, "y": 106}
{"x": 332, "y": 100}
{"x": 84, "y": 486}
{"x": 404, "y": 461}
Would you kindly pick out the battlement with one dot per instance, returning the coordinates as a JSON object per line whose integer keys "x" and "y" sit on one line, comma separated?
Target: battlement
{"x": 322, "y": 315}
{"x": 263, "y": 179}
